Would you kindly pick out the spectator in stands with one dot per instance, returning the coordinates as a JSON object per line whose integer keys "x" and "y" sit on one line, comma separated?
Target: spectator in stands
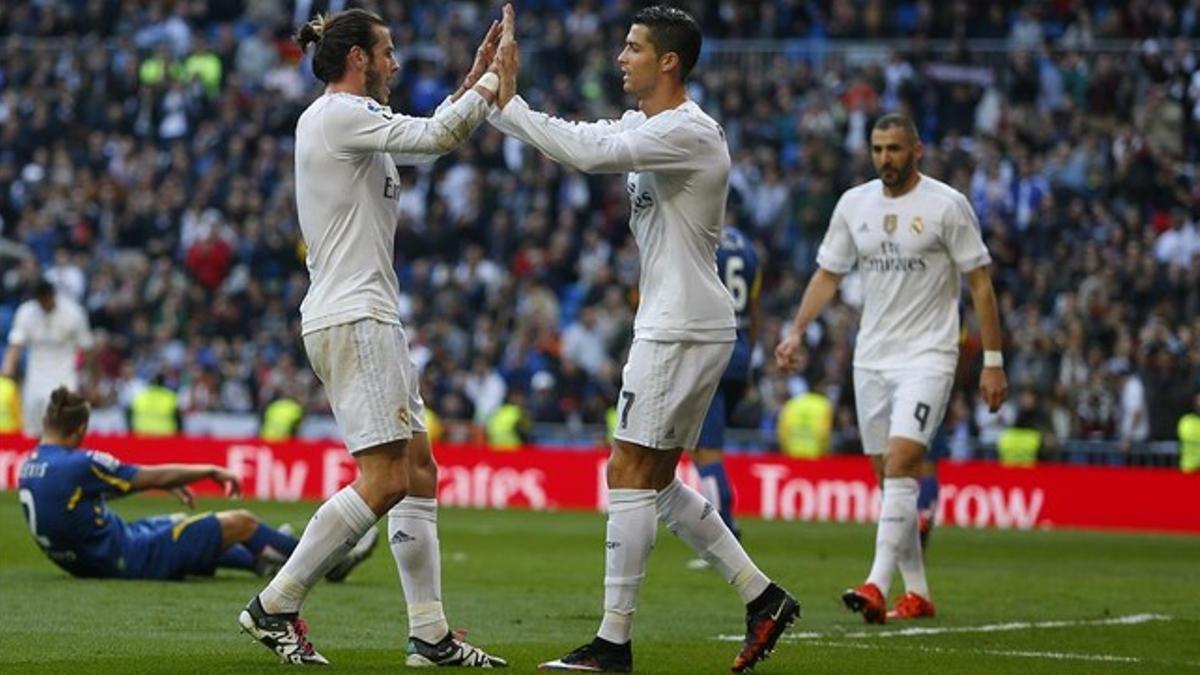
{"x": 117, "y": 159}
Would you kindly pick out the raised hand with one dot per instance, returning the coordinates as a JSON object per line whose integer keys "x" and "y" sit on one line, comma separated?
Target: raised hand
{"x": 484, "y": 56}
{"x": 508, "y": 57}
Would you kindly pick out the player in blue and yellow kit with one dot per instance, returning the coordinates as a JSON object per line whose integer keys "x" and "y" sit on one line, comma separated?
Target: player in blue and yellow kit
{"x": 63, "y": 492}
{"x": 737, "y": 264}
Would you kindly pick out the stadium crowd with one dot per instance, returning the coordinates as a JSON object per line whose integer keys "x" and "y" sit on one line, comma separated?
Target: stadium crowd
{"x": 146, "y": 170}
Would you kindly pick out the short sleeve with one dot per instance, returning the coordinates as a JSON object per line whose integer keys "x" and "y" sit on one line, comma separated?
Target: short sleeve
{"x": 962, "y": 236}
{"x": 837, "y": 253}
{"x": 19, "y": 334}
{"x": 107, "y": 475}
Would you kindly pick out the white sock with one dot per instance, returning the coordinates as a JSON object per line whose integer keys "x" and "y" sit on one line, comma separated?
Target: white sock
{"x": 696, "y": 521}
{"x": 897, "y": 525}
{"x": 334, "y": 529}
{"x": 413, "y": 536}
{"x": 911, "y": 562}
{"x": 627, "y": 545}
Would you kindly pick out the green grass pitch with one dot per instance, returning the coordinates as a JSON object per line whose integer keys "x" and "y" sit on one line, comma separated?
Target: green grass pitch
{"x": 528, "y": 587}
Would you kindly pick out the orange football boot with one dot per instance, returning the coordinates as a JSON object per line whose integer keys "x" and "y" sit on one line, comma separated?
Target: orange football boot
{"x": 912, "y": 606}
{"x": 867, "y": 600}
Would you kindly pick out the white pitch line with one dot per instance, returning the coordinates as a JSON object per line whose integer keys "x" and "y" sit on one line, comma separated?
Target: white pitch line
{"x": 1129, "y": 620}
{"x": 1058, "y": 656}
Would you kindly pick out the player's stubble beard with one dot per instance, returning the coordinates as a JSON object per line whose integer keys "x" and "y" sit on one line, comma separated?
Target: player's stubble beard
{"x": 377, "y": 87}
{"x": 898, "y": 176}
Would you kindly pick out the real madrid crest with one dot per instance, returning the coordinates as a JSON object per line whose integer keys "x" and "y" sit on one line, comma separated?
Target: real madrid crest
{"x": 918, "y": 225}
{"x": 889, "y": 223}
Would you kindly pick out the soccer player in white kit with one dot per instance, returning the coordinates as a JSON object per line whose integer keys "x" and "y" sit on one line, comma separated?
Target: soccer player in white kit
{"x": 54, "y": 329}
{"x": 678, "y": 177}
{"x": 911, "y": 237}
{"x": 347, "y": 187}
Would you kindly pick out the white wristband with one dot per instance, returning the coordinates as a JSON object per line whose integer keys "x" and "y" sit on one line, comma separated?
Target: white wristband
{"x": 993, "y": 359}
{"x": 489, "y": 81}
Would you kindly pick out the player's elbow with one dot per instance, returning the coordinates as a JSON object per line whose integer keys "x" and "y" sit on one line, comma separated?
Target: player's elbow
{"x": 447, "y": 137}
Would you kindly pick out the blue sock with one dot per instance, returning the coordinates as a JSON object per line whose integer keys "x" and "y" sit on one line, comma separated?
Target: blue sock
{"x": 265, "y": 536}
{"x": 927, "y": 498}
{"x": 716, "y": 473}
{"x": 237, "y": 556}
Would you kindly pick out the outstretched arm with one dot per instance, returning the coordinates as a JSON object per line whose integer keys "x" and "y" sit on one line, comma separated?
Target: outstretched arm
{"x": 362, "y": 126}
{"x": 172, "y": 476}
{"x": 485, "y": 57}
{"x": 606, "y": 146}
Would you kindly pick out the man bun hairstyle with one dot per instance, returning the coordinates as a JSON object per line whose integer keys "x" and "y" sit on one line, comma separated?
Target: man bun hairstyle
{"x": 672, "y": 30}
{"x": 67, "y": 411}
{"x": 334, "y": 36}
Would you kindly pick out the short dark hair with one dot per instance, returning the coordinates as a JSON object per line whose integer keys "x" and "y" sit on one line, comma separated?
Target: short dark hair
{"x": 43, "y": 289}
{"x": 334, "y": 36}
{"x": 672, "y": 30}
{"x": 904, "y": 122}
{"x": 67, "y": 411}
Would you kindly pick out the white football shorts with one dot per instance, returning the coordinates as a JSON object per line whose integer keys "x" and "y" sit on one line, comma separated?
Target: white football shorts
{"x": 905, "y": 403}
{"x": 370, "y": 380}
{"x": 666, "y": 390}
{"x": 33, "y": 411}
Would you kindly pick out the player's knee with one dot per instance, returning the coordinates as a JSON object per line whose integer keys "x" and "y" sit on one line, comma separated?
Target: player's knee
{"x": 382, "y": 492}
{"x": 238, "y": 525}
{"x": 903, "y": 458}
{"x": 424, "y": 468}
{"x": 391, "y": 496}
{"x": 635, "y": 467}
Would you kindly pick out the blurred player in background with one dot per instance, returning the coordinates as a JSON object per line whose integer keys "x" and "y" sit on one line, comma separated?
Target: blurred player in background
{"x": 64, "y": 491}
{"x": 737, "y": 266}
{"x": 684, "y": 332}
{"x": 348, "y": 143}
{"x": 54, "y": 329}
{"x": 911, "y": 237}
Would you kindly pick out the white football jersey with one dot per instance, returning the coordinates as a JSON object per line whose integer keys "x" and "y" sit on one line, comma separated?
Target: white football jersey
{"x": 347, "y": 192}
{"x": 52, "y": 340}
{"x": 678, "y": 178}
{"x": 911, "y": 252}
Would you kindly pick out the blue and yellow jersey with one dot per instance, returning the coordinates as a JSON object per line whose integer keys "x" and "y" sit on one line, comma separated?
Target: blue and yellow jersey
{"x": 63, "y": 494}
{"x": 737, "y": 264}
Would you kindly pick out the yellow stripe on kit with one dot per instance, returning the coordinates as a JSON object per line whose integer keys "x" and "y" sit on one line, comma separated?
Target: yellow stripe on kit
{"x": 122, "y": 485}
{"x": 74, "y": 500}
{"x": 177, "y": 531}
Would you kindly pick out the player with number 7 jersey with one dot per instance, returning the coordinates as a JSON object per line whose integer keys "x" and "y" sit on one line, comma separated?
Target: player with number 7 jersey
{"x": 677, "y": 175}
